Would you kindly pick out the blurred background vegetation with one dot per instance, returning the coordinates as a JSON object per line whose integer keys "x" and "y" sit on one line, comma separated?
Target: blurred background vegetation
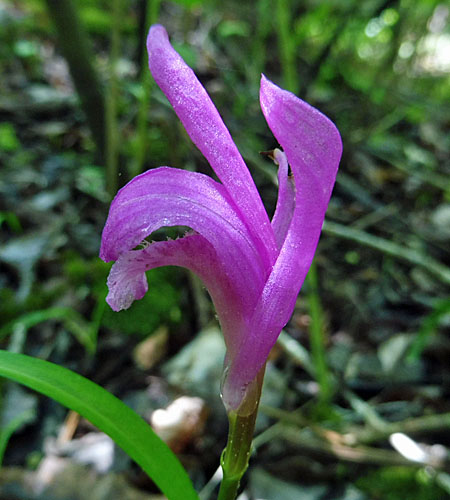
{"x": 363, "y": 365}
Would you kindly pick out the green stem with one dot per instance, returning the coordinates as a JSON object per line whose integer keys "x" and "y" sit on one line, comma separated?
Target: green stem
{"x": 388, "y": 247}
{"x": 316, "y": 335}
{"x": 76, "y": 49}
{"x": 147, "y": 85}
{"x": 112, "y": 132}
{"x": 235, "y": 456}
{"x": 286, "y": 45}
{"x": 263, "y": 28}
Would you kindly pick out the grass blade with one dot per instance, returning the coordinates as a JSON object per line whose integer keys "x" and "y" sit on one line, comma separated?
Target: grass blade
{"x": 106, "y": 412}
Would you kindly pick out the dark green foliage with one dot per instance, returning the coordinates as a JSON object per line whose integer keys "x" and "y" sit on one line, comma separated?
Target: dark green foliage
{"x": 397, "y": 483}
{"x": 160, "y": 306}
{"x": 380, "y": 346}
{"x": 75, "y": 47}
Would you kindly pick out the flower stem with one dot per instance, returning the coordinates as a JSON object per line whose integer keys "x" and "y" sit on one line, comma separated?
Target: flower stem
{"x": 235, "y": 456}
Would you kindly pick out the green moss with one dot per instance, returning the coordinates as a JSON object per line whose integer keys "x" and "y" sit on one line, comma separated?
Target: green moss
{"x": 160, "y": 305}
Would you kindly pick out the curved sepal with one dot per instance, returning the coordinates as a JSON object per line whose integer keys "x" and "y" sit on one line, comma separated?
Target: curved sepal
{"x": 313, "y": 148}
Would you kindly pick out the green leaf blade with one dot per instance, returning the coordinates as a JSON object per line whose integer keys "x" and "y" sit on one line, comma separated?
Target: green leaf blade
{"x": 106, "y": 412}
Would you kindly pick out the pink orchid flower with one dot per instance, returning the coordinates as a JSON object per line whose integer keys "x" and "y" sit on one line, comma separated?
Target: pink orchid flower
{"x": 252, "y": 267}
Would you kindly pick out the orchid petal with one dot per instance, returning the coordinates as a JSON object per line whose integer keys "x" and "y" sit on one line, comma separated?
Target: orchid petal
{"x": 313, "y": 149}
{"x": 171, "y": 197}
{"x": 208, "y": 132}
{"x": 127, "y": 280}
{"x": 281, "y": 219}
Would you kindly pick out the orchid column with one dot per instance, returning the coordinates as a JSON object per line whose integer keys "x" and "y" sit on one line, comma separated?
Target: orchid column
{"x": 253, "y": 267}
